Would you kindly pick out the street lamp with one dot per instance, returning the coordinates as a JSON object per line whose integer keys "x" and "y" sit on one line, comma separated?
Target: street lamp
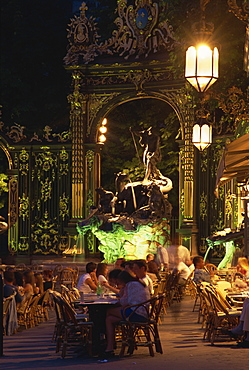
{"x": 202, "y": 71}
{"x": 102, "y": 130}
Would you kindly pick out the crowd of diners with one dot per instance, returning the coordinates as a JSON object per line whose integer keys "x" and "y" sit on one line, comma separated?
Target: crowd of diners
{"x": 25, "y": 284}
{"x": 132, "y": 281}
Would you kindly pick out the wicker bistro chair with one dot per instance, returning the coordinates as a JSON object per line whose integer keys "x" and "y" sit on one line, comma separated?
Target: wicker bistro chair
{"x": 71, "y": 329}
{"x": 219, "y": 316}
{"x": 135, "y": 334}
{"x": 67, "y": 277}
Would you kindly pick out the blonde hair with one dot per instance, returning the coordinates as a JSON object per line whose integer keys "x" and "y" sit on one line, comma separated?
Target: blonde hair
{"x": 243, "y": 262}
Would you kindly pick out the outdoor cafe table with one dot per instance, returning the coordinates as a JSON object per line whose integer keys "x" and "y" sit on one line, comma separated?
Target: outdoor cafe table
{"x": 97, "y": 307}
{"x": 237, "y": 298}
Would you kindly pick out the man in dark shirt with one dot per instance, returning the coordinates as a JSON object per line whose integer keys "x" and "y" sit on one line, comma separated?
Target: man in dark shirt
{"x": 9, "y": 288}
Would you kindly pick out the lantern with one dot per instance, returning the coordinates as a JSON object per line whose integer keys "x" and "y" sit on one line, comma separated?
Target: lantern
{"x": 201, "y": 68}
{"x": 202, "y": 135}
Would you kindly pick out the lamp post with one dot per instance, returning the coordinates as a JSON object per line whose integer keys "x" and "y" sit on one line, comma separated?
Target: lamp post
{"x": 202, "y": 71}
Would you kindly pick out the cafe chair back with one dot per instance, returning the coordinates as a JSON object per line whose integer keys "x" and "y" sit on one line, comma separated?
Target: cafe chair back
{"x": 146, "y": 334}
{"x": 220, "y": 317}
{"x": 70, "y": 329}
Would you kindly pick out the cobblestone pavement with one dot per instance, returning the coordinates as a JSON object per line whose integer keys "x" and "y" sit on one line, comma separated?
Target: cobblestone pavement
{"x": 181, "y": 336}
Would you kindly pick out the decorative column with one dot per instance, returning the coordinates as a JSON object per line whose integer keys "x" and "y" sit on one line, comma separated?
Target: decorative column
{"x": 78, "y": 118}
{"x": 13, "y": 211}
{"x": 188, "y": 227}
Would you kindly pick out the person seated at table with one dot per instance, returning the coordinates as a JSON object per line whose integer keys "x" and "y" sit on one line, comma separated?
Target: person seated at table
{"x": 9, "y": 288}
{"x": 29, "y": 283}
{"x": 88, "y": 282}
{"x": 128, "y": 266}
{"x": 39, "y": 289}
{"x": 118, "y": 263}
{"x": 135, "y": 292}
{"x": 152, "y": 266}
{"x": 243, "y": 327}
{"x": 140, "y": 269}
{"x": 200, "y": 273}
{"x": 183, "y": 271}
{"x": 112, "y": 283}
{"x": 102, "y": 272}
{"x": 18, "y": 280}
{"x": 47, "y": 279}
{"x": 191, "y": 267}
{"x": 243, "y": 266}
{"x": 239, "y": 283}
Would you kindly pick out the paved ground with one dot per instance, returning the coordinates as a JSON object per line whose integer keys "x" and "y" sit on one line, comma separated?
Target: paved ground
{"x": 181, "y": 337}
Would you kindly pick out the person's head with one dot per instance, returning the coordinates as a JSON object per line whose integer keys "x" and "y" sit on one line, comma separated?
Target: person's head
{"x": 149, "y": 257}
{"x": 18, "y": 278}
{"x": 140, "y": 268}
{"x": 128, "y": 266}
{"x": 90, "y": 267}
{"x": 47, "y": 275}
{"x": 113, "y": 275}
{"x": 29, "y": 278}
{"x": 39, "y": 282}
{"x": 243, "y": 263}
{"x": 119, "y": 262}
{"x": 9, "y": 277}
{"x": 198, "y": 261}
{"x": 124, "y": 277}
{"x": 102, "y": 269}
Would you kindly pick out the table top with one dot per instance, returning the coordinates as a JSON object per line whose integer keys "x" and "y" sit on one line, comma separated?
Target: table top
{"x": 93, "y": 299}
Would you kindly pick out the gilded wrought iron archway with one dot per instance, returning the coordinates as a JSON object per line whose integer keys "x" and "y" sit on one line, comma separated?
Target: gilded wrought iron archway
{"x": 100, "y": 82}
{"x": 65, "y": 167}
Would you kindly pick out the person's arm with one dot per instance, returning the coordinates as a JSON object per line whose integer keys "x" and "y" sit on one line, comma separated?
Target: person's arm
{"x": 94, "y": 277}
{"x": 91, "y": 284}
{"x": 108, "y": 286}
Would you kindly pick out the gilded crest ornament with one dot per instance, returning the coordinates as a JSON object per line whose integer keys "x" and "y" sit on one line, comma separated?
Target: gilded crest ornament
{"x": 139, "y": 33}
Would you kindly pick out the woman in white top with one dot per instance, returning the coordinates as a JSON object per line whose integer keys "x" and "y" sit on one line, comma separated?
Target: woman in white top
{"x": 88, "y": 282}
{"x": 101, "y": 272}
{"x": 102, "y": 276}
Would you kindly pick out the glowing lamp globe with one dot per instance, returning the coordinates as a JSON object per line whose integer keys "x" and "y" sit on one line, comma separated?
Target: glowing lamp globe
{"x": 202, "y": 135}
{"x": 201, "y": 68}
{"x": 102, "y": 139}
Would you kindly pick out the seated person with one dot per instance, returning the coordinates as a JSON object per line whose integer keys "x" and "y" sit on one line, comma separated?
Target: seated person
{"x": 243, "y": 327}
{"x": 135, "y": 292}
{"x": 47, "y": 279}
{"x": 88, "y": 282}
{"x": 200, "y": 274}
{"x": 102, "y": 272}
{"x": 118, "y": 263}
{"x": 29, "y": 283}
{"x": 243, "y": 266}
{"x": 140, "y": 269}
{"x": 112, "y": 283}
{"x": 38, "y": 284}
{"x": 9, "y": 288}
{"x": 239, "y": 283}
{"x": 183, "y": 271}
{"x": 152, "y": 266}
{"x": 128, "y": 266}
